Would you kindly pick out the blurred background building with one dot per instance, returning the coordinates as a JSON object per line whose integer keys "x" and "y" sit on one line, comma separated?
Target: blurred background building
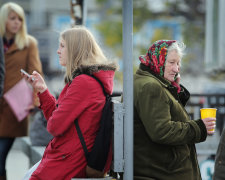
{"x": 198, "y": 23}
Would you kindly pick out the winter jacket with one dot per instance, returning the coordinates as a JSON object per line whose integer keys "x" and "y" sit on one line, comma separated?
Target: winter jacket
{"x": 219, "y": 170}
{"x": 83, "y": 101}
{"x": 164, "y": 135}
{"x": 15, "y": 59}
{"x": 2, "y": 68}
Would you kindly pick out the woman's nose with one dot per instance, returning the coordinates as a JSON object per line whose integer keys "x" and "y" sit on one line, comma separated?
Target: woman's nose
{"x": 17, "y": 21}
{"x": 176, "y": 68}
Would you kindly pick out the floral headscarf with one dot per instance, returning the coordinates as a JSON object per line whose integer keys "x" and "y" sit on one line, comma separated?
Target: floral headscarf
{"x": 155, "y": 58}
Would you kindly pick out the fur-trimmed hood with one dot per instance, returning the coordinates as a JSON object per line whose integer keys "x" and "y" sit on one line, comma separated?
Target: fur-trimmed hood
{"x": 91, "y": 69}
{"x": 104, "y": 72}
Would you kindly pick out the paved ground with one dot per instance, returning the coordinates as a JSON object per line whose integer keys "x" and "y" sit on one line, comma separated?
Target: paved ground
{"x": 17, "y": 164}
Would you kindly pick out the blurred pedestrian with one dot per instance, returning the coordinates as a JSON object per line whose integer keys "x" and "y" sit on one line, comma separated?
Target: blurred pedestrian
{"x": 219, "y": 173}
{"x": 2, "y": 68}
{"x": 20, "y": 52}
{"x": 164, "y": 134}
{"x": 82, "y": 99}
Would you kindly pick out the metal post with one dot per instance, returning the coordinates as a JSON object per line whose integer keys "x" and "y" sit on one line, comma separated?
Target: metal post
{"x": 221, "y": 35}
{"x": 209, "y": 35}
{"x": 128, "y": 87}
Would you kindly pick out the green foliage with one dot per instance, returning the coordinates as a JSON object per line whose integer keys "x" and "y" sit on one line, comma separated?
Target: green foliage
{"x": 141, "y": 14}
{"x": 193, "y": 33}
{"x": 111, "y": 25}
{"x": 119, "y": 76}
{"x": 101, "y": 1}
{"x": 162, "y": 33}
{"x": 112, "y": 33}
{"x": 186, "y": 63}
{"x": 193, "y": 29}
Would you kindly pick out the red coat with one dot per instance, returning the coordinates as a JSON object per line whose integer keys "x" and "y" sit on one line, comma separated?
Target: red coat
{"x": 64, "y": 157}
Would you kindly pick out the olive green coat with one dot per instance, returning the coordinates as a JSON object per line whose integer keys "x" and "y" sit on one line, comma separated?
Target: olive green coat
{"x": 164, "y": 135}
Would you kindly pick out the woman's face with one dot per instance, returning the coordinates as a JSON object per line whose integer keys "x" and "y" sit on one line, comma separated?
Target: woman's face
{"x": 13, "y": 23}
{"x": 62, "y": 52}
{"x": 172, "y": 66}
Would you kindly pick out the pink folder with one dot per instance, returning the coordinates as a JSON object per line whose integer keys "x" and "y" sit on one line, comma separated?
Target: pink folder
{"x": 20, "y": 98}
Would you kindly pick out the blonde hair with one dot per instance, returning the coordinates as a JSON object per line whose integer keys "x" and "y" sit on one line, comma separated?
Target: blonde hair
{"x": 21, "y": 38}
{"x": 82, "y": 49}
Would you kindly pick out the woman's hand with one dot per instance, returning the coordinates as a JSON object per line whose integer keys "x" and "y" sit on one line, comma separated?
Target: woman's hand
{"x": 178, "y": 79}
{"x": 37, "y": 82}
{"x": 30, "y": 108}
{"x": 210, "y": 124}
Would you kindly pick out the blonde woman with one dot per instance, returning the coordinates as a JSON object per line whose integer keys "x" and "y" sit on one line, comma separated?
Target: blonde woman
{"x": 82, "y": 99}
{"x": 20, "y": 52}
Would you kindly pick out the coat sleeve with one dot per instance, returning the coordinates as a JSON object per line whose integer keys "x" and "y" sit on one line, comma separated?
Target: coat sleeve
{"x": 77, "y": 98}
{"x": 47, "y": 103}
{"x": 2, "y": 68}
{"x": 155, "y": 113}
{"x": 34, "y": 63}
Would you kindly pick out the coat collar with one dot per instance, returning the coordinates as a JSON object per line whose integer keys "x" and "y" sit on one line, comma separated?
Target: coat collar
{"x": 182, "y": 97}
{"x": 10, "y": 45}
{"x": 12, "y": 48}
{"x": 144, "y": 70}
{"x": 92, "y": 69}
{"x": 104, "y": 72}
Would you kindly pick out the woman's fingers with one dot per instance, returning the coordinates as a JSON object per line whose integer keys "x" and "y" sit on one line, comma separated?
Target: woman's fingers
{"x": 210, "y": 124}
{"x": 39, "y": 83}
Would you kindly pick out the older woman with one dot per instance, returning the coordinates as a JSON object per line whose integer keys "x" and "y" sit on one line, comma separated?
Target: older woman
{"x": 164, "y": 134}
{"x": 20, "y": 52}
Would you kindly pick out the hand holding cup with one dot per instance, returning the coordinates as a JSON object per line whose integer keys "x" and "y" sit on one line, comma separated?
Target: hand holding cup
{"x": 208, "y": 116}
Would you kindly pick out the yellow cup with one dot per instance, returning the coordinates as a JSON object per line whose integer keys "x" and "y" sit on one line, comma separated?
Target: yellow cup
{"x": 208, "y": 112}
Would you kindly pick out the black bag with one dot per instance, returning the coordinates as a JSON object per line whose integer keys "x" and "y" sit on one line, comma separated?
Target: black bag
{"x": 96, "y": 159}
